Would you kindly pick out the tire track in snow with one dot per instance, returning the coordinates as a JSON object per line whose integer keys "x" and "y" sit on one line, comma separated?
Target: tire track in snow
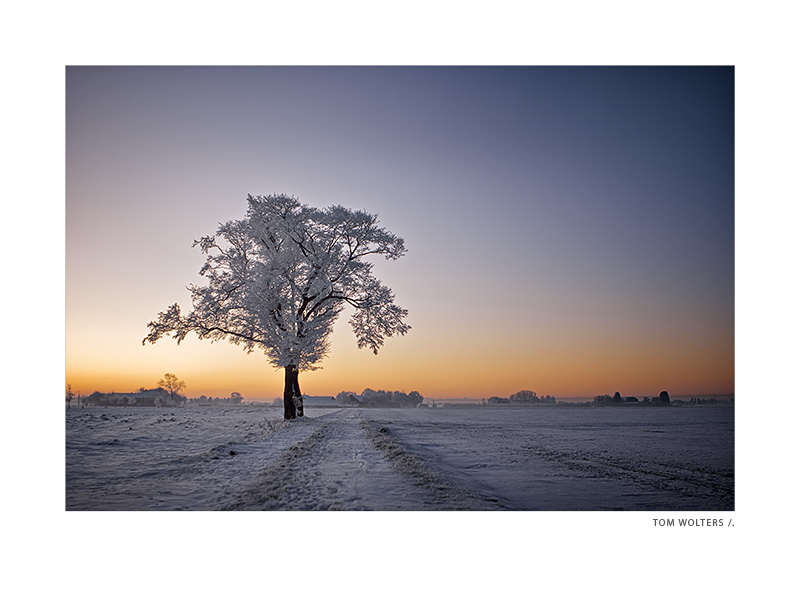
{"x": 449, "y": 495}
{"x": 347, "y": 464}
{"x": 673, "y": 477}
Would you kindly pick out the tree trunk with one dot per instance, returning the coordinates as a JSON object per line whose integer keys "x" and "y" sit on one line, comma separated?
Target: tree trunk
{"x": 298, "y": 395}
{"x": 289, "y": 410}
{"x": 292, "y": 397}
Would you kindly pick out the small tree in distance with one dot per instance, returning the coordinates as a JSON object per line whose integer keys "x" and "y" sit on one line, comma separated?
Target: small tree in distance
{"x": 279, "y": 280}
{"x": 171, "y": 384}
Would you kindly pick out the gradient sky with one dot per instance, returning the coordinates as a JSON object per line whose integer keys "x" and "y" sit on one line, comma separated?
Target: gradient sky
{"x": 569, "y": 230}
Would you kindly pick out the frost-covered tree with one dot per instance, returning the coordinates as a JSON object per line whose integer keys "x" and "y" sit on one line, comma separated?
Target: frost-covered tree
{"x": 278, "y": 280}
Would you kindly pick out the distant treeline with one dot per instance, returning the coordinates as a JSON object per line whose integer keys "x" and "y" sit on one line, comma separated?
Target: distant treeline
{"x": 143, "y": 397}
{"x": 523, "y": 397}
{"x": 527, "y": 397}
{"x": 380, "y": 399}
{"x": 607, "y": 400}
{"x": 155, "y": 397}
{"x": 663, "y": 399}
{"x": 235, "y": 398}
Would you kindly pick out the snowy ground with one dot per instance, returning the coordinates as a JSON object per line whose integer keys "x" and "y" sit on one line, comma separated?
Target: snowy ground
{"x": 541, "y": 458}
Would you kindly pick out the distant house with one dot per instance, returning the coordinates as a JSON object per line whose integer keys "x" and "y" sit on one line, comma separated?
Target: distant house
{"x": 320, "y": 401}
{"x": 147, "y": 397}
{"x": 348, "y": 399}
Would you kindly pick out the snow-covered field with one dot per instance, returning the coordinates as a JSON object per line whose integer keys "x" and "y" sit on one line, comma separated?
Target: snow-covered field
{"x": 536, "y": 458}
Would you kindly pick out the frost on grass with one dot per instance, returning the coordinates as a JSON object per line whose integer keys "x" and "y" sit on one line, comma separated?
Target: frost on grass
{"x": 248, "y": 458}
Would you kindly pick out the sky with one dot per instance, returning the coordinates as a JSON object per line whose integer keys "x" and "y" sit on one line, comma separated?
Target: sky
{"x": 570, "y": 230}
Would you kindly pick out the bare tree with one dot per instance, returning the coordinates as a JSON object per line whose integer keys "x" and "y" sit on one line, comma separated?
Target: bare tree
{"x": 279, "y": 279}
{"x": 172, "y": 384}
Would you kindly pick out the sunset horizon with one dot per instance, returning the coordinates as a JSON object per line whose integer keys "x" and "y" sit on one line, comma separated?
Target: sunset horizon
{"x": 257, "y": 381}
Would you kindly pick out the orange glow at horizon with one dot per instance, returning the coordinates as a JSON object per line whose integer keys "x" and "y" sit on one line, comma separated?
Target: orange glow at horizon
{"x": 413, "y": 363}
